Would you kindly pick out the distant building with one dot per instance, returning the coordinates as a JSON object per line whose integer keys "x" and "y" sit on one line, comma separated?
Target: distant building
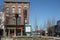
{"x": 1, "y": 20}
{"x": 54, "y": 30}
{"x": 1, "y": 23}
{"x": 16, "y": 16}
{"x": 51, "y": 31}
{"x": 57, "y": 28}
{"x": 38, "y": 33}
{"x": 58, "y": 22}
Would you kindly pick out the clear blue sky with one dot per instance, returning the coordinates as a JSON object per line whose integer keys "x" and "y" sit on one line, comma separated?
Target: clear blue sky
{"x": 44, "y": 9}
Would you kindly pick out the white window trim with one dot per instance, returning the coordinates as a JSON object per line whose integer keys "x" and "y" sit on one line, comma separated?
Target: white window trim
{"x": 7, "y": 9}
{"x": 14, "y": 7}
{"x": 26, "y": 6}
{"x": 19, "y": 9}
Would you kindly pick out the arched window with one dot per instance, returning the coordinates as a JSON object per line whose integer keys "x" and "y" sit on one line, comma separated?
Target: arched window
{"x": 19, "y": 10}
{"x": 13, "y": 9}
{"x": 7, "y": 9}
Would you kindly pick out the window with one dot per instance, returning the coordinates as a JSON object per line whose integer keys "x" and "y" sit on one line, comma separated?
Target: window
{"x": 25, "y": 12}
{"x": 13, "y": 20}
{"x": 18, "y": 32}
{"x": 7, "y": 9}
{"x": 18, "y": 20}
{"x": 7, "y": 20}
{"x": 19, "y": 10}
{"x": 13, "y": 9}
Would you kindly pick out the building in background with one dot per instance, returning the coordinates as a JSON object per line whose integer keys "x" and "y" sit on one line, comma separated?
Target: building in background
{"x": 38, "y": 33}
{"x": 16, "y": 16}
{"x": 57, "y": 28}
{"x": 1, "y": 23}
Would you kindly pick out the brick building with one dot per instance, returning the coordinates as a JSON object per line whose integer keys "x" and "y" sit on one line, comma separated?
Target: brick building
{"x": 16, "y": 15}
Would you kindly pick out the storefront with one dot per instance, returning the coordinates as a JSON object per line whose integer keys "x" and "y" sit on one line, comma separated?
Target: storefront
{"x": 13, "y": 30}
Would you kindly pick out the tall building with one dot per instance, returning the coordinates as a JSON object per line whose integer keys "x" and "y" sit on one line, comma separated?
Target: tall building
{"x": 16, "y": 15}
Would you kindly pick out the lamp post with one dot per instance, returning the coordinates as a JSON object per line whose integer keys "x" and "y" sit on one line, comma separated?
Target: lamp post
{"x": 24, "y": 25}
{"x": 16, "y": 16}
{"x": 25, "y": 16}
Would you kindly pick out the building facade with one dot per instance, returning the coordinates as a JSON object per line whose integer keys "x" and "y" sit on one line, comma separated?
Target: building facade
{"x": 16, "y": 16}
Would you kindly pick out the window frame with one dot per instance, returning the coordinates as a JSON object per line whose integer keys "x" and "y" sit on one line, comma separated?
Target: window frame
{"x": 19, "y": 20}
{"x": 13, "y": 20}
{"x": 7, "y": 9}
{"x": 19, "y": 10}
{"x": 13, "y": 9}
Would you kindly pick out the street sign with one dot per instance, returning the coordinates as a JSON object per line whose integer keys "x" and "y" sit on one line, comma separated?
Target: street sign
{"x": 27, "y": 28}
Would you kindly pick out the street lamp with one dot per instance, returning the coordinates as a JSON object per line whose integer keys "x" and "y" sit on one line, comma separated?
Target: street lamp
{"x": 16, "y": 16}
{"x": 25, "y": 16}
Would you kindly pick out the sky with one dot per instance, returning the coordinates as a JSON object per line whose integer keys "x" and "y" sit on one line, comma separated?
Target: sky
{"x": 42, "y": 9}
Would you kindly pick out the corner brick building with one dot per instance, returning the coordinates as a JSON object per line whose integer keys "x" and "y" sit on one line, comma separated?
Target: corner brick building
{"x": 16, "y": 15}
